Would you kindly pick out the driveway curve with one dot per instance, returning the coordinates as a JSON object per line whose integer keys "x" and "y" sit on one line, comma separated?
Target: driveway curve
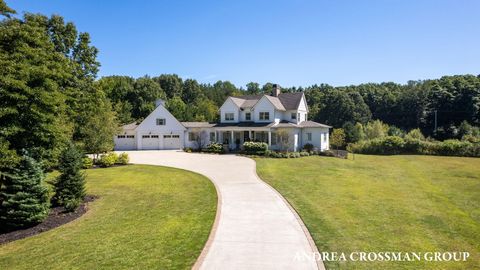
{"x": 255, "y": 228}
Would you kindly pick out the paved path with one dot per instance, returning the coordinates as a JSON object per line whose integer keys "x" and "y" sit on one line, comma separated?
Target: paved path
{"x": 255, "y": 228}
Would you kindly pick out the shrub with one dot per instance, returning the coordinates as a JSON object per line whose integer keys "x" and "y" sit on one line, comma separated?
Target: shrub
{"x": 72, "y": 204}
{"x": 452, "y": 148}
{"x": 70, "y": 185}
{"x": 391, "y": 145}
{"x": 415, "y": 134}
{"x": 384, "y": 146}
{"x": 326, "y": 153}
{"x": 123, "y": 159}
{"x": 24, "y": 199}
{"x": 304, "y": 154}
{"x": 187, "y": 149}
{"x": 308, "y": 147}
{"x": 415, "y": 146}
{"x": 215, "y": 148}
{"x": 255, "y": 148}
{"x": 87, "y": 163}
{"x": 107, "y": 160}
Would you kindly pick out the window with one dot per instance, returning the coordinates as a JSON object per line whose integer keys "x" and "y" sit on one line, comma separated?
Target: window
{"x": 167, "y": 136}
{"x": 325, "y": 137}
{"x": 176, "y": 136}
{"x": 294, "y": 116}
{"x": 130, "y": 136}
{"x": 212, "y": 136}
{"x": 228, "y": 116}
{"x": 309, "y": 136}
{"x": 120, "y": 136}
{"x": 248, "y": 116}
{"x": 261, "y": 136}
{"x": 154, "y": 136}
{"x": 298, "y": 117}
{"x": 264, "y": 116}
{"x": 274, "y": 138}
{"x": 161, "y": 122}
{"x": 192, "y": 136}
{"x": 145, "y": 136}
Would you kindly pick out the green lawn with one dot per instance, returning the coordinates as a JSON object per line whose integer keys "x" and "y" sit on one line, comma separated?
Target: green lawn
{"x": 147, "y": 217}
{"x": 384, "y": 203}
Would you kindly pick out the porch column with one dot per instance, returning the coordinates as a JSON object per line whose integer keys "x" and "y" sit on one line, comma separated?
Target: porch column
{"x": 269, "y": 139}
{"x": 231, "y": 138}
{"x": 250, "y": 135}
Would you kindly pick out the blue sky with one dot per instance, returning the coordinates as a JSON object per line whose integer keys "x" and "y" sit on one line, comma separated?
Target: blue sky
{"x": 293, "y": 43}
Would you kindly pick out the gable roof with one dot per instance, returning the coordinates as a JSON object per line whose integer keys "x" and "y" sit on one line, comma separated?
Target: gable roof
{"x": 130, "y": 126}
{"x": 276, "y": 103}
{"x": 284, "y": 101}
{"x": 160, "y": 109}
{"x": 291, "y": 101}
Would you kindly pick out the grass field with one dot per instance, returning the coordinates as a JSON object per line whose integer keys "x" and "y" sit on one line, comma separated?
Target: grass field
{"x": 384, "y": 203}
{"x": 147, "y": 217}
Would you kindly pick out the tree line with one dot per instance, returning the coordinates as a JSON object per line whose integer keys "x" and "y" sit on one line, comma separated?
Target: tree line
{"x": 416, "y": 104}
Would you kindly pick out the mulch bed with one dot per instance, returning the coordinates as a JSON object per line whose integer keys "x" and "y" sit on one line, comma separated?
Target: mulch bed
{"x": 57, "y": 217}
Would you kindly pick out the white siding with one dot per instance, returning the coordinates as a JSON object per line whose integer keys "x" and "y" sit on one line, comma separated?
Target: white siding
{"x": 229, "y": 107}
{"x": 243, "y": 115}
{"x": 264, "y": 105}
{"x": 318, "y": 136}
{"x": 206, "y": 139}
{"x": 302, "y": 110}
{"x": 294, "y": 139}
{"x": 149, "y": 127}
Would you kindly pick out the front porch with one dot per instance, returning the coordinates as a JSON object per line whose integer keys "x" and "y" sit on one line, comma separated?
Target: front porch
{"x": 235, "y": 138}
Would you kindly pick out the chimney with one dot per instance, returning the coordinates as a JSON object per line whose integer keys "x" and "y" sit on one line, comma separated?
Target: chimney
{"x": 159, "y": 102}
{"x": 276, "y": 90}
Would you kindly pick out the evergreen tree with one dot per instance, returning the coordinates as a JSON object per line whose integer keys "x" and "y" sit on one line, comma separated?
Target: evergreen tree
{"x": 70, "y": 185}
{"x": 23, "y": 197}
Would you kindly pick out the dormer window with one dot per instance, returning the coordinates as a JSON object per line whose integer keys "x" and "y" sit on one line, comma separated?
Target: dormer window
{"x": 248, "y": 116}
{"x": 294, "y": 116}
{"x": 228, "y": 116}
{"x": 161, "y": 122}
{"x": 264, "y": 116}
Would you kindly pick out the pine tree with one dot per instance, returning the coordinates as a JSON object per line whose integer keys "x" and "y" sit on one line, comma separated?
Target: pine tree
{"x": 70, "y": 185}
{"x": 23, "y": 197}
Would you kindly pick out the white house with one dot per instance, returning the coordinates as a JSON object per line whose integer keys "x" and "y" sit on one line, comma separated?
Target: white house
{"x": 280, "y": 119}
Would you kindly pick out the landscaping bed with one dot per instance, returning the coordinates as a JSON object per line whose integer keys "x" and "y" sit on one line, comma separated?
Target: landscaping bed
{"x": 148, "y": 217}
{"x": 57, "y": 217}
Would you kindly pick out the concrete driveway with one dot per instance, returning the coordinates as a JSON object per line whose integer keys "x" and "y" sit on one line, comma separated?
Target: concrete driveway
{"x": 255, "y": 228}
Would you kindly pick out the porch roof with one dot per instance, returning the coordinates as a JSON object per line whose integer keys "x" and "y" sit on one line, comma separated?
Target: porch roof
{"x": 243, "y": 126}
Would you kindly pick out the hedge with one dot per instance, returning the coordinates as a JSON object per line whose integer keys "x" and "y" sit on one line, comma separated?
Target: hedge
{"x": 392, "y": 145}
{"x": 214, "y": 148}
{"x": 255, "y": 148}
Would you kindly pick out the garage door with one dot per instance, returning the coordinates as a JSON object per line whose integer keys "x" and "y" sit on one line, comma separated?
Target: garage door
{"x": 150, "y": 142}
{"x": 125, "y": 142}
{"x": 171, "y": 141}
